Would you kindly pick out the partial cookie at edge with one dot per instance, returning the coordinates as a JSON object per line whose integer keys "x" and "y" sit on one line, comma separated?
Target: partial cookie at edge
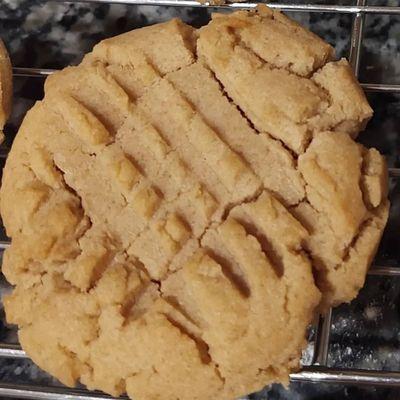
{"x": 5, "y": 85}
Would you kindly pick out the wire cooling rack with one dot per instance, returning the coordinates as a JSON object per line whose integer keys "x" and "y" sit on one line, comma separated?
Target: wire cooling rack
{"x": 318, "y": 371}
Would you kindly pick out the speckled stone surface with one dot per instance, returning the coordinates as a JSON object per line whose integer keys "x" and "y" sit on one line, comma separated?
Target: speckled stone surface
{"x": 366, "y": 333}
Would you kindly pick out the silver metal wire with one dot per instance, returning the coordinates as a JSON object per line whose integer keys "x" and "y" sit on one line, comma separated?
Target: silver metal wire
{"x": 347, "y": 377}
{"x": 384, "y": 271}
{"x": 49, "y": 393}
{"x": 11, "y": 351}
{"x": 320, "y": 8}
{"x": 44, "y": 73}
{"x": 356, "y": 38}
{"x": 312, "y": 374}
{"x": 319, "y": 371}
{"x": 323, "y": 333}
{"x": 379, "y": 87}
{"x": 394, "y": 172}
{"x": 33, "y": 72}
{"x": 4, "y": 244}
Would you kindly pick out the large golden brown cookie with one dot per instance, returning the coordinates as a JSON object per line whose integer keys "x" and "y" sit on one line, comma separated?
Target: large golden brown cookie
{"x": 172, "y": 198}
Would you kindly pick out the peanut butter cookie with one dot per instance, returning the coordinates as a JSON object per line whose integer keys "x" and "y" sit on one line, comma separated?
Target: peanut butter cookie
{"x": 5, "y": 86}
{"x": 182, "y": 202}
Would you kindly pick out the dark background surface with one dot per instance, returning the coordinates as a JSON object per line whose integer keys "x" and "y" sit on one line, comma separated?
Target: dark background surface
{"x": 366, "y": 333}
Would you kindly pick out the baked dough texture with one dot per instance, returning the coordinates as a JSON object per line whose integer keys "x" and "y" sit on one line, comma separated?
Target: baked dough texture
{"x": 5, "y": 87}
{"x": 182, "y": 201}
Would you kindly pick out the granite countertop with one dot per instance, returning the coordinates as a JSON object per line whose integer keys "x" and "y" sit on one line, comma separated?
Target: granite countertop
{"x": 366, "y": 333}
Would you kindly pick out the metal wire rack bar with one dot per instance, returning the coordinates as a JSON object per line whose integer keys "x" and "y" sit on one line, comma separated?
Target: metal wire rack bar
{"x": 356, "y": 38}
{"x": 394, "y": 172}
{"x": 379, "y": 87}
{"x": 50, "y": 393}
{"x": 11, "y": 351}
{"x": 323, "y": 331}
{"x": 43, "y": 73}
{"x": 33, "y": 72}
{"x": 4, "y": 244}
{"x": 347, "y": 377}
{"x": 318, "y": 371}
{"x": 313, "y": 374}
{"x": 384, "y": 271}
{"x": 321, "y": 8}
